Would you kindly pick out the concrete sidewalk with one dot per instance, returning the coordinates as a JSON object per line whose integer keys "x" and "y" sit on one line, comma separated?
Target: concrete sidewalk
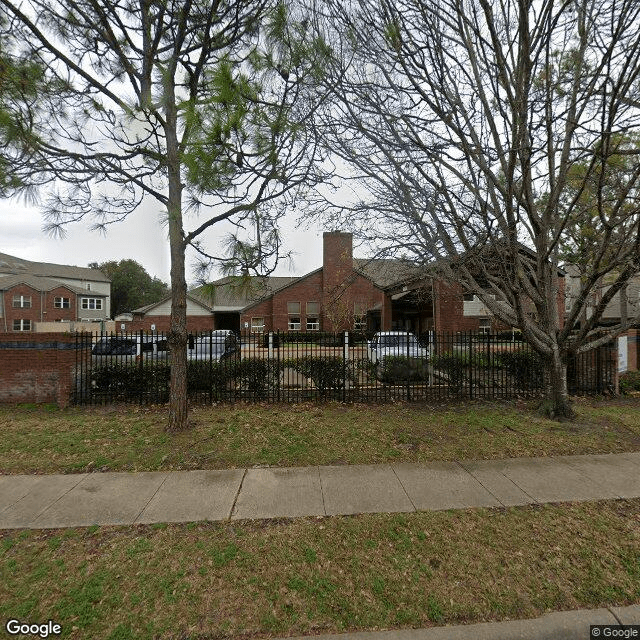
{"x": 563, "y": 625}
{"x": 186, "y": 496}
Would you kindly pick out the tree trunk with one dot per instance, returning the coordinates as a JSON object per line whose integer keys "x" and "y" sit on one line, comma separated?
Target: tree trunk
{"x": 178, "y": 408}
{"x": 556, "y": 404}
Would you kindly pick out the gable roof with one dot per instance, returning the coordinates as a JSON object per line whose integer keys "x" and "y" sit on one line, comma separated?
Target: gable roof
{"x": 11, "y": 265}
{"x": 152, "y": 305}
{"x": 229, "y": 294}
{"x": 232, "y": 294}
{"x": 387, "y": 272}
{"x": 43, "y": 284}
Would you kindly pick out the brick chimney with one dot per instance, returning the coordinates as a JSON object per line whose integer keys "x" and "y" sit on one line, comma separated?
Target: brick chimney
{"x": 337, "y": 258}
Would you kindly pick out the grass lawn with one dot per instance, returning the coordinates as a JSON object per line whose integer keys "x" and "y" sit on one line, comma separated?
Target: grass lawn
{"x": 119, "y": 438}
{"x": 260, "y": 579}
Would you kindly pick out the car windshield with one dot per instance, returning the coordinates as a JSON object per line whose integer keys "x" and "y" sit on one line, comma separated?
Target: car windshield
{"x": 398, "y": 341}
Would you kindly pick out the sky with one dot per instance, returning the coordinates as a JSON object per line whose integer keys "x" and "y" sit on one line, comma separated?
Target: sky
{"x": 140, "y": 237}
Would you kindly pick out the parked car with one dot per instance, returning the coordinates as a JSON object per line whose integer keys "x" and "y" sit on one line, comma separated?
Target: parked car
{"x": 214, "y": 345}
{"x": 120, "y": 345}
{"x": 399, "y": 344}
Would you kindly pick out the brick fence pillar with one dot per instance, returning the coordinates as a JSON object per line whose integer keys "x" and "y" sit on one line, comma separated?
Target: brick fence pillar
{"x": 37, "y": 367}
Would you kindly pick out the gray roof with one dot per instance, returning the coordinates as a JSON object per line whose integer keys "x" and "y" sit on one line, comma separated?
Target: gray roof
{"x": 231, "y": 294}
{"x": 43, "y": 284}
{"x": 11, "y": 265}
{"x": 236, "y": 294}
{"x": 389, "y": 272}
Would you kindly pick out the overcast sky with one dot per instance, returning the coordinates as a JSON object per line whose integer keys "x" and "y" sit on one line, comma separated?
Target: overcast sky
{"x": 139, "y": 237}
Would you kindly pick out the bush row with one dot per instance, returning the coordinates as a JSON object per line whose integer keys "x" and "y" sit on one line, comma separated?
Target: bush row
{"x": 257, "y": 376}
{"x": 261, "y": 377}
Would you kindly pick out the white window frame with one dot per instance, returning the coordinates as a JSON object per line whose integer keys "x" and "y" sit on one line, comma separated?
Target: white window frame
{"x": 86, "y": 303}
{"x": 24, "y": 324}
{"x": 21, "y": 302}
{"x": 257, "y": 327}
{"x": 59, "y": 302}
{"x": 359, "y": 316}
{"x": 294, "y": 323}
{"x": 313, "y": 323}
{"x": 484, "y": 328}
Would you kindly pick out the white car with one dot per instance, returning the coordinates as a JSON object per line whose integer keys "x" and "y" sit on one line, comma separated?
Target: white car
{"x": 387, "y": 344}
{"x": 394, "y": 343}
{"x": 214, "y": 345}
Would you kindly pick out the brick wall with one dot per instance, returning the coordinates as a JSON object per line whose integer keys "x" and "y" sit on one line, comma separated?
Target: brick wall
{"x": 337, "y": 258}
{"x": 449, "y": 309}
{"x": 50, "y": 313}
{"x": 36, "y": 367}
{"x": 42, "y": 307}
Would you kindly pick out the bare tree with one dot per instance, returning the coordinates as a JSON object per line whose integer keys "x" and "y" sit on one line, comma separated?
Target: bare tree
{"x": 197, "y": 104}
{"x": 463, "y": 122}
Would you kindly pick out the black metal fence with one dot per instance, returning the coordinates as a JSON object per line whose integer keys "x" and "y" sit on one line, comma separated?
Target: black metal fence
{"x": 349, "y": 367}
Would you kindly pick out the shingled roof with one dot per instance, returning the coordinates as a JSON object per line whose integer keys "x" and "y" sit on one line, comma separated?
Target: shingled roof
{"x": 389, "y": 272}
{"x": 10, "y": 265}
{"x": 41, "y": 284}
{"x": 235, "y": 294}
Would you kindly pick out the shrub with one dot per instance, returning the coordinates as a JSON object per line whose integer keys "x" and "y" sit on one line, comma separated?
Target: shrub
{"x": 454, "y": 366}
{"x": 629, "y": 381}
{"x": 327, "y": 372}
{"x": 525, "y": 366}
{"x": 208, "y": 377}
{"x": 130, "y": 381}
{"x": 256, "y": 375}
{"x": 403, "y": 369}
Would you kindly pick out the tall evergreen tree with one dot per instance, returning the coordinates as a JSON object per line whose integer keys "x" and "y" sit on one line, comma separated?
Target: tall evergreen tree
{"x": 198, "y": 104}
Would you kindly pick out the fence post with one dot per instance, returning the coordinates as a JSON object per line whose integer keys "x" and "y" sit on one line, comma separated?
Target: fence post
{"x": 599, "y": 385}
{"x": 408, "y": 370}
{"x": 270, "y": 345}
{"x": 142, "y": 381}
{"x": 470, "y": 340}
{"x": 345, "y": 359}
{"x": 615, "y": 378}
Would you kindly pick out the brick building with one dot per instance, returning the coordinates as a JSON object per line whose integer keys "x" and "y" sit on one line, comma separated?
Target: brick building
{"x": 32, "y": 292}
{"x": 345, "y": 293}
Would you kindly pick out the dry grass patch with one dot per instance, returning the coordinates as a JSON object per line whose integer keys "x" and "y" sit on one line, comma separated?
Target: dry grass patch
{"x": 279, "y": 578}
{"x": 48, "y": 440}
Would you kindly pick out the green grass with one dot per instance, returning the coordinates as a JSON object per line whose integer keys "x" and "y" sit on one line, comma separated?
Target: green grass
{"x": 120, "y": 438}
{"x": 247, "y": 579}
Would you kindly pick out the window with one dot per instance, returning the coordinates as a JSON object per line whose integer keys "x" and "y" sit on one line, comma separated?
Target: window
{"x": 485, "y": 325}
{"x": 359, "y": 316}
{"x": 468, "y": 297}
{"x": 22, "y": 302}
{"x": 313, "y": 316}
{"x": 293, "y": 309}
{"x": 22, "y": 325}
{"x": 257, "y": 325}
{"x": 61, "y": 303}
{"x": 91, "y": 303}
